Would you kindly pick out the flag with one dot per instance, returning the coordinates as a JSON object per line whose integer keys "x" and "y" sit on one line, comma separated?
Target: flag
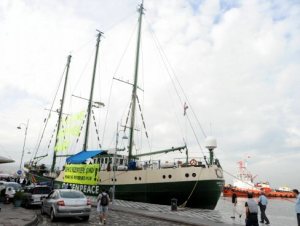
{"x": 185, "y": 107}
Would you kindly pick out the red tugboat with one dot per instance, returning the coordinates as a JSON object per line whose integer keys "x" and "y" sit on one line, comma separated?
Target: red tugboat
{"x": 243, "y": 184}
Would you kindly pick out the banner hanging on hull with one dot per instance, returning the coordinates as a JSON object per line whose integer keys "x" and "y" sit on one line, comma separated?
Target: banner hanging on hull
{"x": 81, "y": 174}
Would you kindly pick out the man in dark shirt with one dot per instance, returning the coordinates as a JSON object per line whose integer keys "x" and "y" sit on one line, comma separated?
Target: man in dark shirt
{"x": 234, "y": 203}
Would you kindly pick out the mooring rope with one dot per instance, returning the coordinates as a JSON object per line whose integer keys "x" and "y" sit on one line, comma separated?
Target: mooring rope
{"x": 185, "y": 202}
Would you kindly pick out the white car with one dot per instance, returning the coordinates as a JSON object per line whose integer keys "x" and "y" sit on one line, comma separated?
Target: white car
{"x": 9, "y": 188}
{"x": 2, "y": 184}
{"x": 10, "y": 192}
{"x": 33, "y": 195}
{"x": 15, "y": 185}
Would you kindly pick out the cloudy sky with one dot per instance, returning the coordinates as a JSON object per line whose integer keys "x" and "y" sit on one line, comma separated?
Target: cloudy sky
{"x": 237, "y": 62}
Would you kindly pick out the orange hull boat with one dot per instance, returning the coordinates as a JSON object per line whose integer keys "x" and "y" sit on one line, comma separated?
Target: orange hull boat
{"x": 228, "y": 191}
{"x": 243, "y": 184}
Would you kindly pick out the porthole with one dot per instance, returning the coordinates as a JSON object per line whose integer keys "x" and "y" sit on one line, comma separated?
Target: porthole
{"x": 164, "y": 176}
{"x": 170, "y": 176}
{"x": 140, "y": 178}
{"x": 187, "y": 175}
{"x": 135, "y": 178}
{"x": 194, "y": 174}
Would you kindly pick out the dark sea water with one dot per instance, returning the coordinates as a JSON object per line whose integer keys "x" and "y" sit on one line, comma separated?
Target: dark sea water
{"x": 281, "y": 212}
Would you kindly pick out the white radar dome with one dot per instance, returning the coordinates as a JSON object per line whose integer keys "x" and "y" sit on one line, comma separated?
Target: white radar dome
{"x": 210, "y": 142}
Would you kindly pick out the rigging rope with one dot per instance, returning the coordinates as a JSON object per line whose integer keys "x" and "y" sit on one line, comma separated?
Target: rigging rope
{"x": 128, "y": 16}
{"x": 194, "y": 132}
{"x": 110, "y": 92}
{"x": 163, "y": 55}
{"x": 106, "y": 115}
{"x": 82, "y": 46}
{"x": 95, "y": 124}
{"x": 83, "y": 70}
{"x": 81, "y": 128}
{"x": 127, "y": 118}
{"x": 53, "y": 133}
{"x": 185, "y": 202}
{"x": 143, "y": 81}
{"x": 164, "y": 60}
{"x": 143, "y": 121}
{"x": 46, "y": 120}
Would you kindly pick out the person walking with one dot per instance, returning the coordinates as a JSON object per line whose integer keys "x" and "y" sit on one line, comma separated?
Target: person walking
{"x": 263, "y": 202}
{"x": 234, "y": 203}
{"x": 251, "y": 211}
{"x": 24, "y": 182}
{"x": 102, "y": 206}
{"x": 297, "y": 207}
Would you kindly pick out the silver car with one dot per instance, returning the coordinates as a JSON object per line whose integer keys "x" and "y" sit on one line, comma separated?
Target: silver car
{"x": 66, "y": 203}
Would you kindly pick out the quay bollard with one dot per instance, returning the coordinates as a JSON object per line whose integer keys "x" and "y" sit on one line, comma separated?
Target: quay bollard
{"x": 174, "y": 204}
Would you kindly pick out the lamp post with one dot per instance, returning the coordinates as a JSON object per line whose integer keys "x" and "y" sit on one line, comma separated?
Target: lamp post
{"x": 26, "y": 127}
{"x": 114, "y": 164}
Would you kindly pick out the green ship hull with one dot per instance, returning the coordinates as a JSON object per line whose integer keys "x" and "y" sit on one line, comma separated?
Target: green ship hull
{"x": 202, "y": 194}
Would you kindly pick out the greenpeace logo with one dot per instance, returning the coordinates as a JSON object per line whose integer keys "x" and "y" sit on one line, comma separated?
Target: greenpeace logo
{"x": 86, "y": 189}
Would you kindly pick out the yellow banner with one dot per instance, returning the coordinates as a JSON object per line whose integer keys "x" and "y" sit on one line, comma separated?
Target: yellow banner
{"x": 70, "y": 126}
{"x": 81, "y": 174}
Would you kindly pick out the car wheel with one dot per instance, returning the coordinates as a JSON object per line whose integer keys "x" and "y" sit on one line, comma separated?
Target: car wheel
{"x": 86, "y": 218}
{"x": 52, "y": 215}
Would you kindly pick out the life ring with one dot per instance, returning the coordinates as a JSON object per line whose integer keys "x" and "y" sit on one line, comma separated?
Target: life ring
{"x": 193, "y": 162}
{"x": 219, "y": 174}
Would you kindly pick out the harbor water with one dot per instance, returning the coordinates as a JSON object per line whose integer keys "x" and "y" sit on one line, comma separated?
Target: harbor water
{"x": 281, "y": 212}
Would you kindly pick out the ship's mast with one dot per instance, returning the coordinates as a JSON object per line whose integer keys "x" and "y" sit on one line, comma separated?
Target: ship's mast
{"x": 85, "y": 144}
{"x": 134, "y": 90}
{"x": 60, "y": 113}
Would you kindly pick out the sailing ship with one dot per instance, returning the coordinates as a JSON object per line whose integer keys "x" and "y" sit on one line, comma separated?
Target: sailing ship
{"x": 194, "y": 182}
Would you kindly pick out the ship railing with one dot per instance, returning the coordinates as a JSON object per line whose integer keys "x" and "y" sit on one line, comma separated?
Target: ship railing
{"x": 175, "y": 163}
